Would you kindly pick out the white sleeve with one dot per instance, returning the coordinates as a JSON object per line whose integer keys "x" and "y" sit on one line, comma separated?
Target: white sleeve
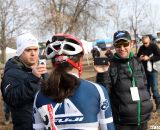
{"x": 105, "y": 113}
{"x": 38, "y": 122}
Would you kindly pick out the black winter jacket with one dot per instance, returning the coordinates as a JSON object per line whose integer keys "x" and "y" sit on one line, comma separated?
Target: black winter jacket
{"x": 19, "y": 87}
{"x": 118, "y": 77}
{"x": 152, "y": 50}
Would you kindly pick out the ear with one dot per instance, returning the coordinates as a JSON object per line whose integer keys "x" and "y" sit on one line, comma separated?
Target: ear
{"x": 131, "y": 43}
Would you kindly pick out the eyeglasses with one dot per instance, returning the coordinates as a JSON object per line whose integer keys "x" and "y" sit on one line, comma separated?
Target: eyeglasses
{"x": 145, "y": 43}
{"x": 124, "y": 44}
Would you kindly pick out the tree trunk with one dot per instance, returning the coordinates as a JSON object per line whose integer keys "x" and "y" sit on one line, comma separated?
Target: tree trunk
{"x": 3, "y": 55}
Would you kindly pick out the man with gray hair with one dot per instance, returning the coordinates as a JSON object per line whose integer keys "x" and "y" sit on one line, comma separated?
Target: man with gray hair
{"x": 21, "y": 81}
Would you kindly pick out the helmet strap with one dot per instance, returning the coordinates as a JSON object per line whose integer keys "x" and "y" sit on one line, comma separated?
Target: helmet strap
{"x": 78, "y": 65}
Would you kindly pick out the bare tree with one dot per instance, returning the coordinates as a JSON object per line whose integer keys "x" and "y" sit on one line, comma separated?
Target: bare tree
{"x": 152, "y": 18}
{"x": 12, "y": 18}
{"x": 86, "y": 29}
{"x": 136, "y": 14}
{"x": 115, "y": 12}
{"x": 68, "y": 16}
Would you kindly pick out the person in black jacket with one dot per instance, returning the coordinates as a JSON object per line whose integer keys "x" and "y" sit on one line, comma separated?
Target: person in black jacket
{"x": 6, "y": 109}
{"x": 21, "y": 81}
{"x": 150, "y": 52}
{"x": 125, "y": 75}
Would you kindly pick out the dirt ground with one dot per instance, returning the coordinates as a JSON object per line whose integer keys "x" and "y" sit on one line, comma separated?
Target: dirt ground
{"x": 88, "y": 73}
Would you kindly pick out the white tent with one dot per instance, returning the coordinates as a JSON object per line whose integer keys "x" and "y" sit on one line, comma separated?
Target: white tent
{"x": 9, "y": 53}
{"x": 10, "y": 50}
{"x": 88, "y": 46}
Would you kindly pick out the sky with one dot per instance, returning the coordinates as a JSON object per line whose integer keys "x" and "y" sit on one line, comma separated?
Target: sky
{"x": 155, "y": 6}
{"x": 101, "y": 34}
{"x": 155, "y": 2}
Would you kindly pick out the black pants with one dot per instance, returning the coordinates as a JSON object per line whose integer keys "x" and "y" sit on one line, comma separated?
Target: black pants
{"x": 131, "y": 127}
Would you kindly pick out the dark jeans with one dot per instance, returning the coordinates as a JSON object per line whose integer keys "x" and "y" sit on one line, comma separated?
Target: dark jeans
{"x": 131, "y": 127}
{"x": 152, "y": 79}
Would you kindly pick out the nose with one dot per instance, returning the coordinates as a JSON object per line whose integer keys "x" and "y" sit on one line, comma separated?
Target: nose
{"x": 122, "y": 47}
{"x": 33, "y": 52}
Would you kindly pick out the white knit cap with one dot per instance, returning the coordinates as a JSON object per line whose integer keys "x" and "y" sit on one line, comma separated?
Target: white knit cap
{"x": 25, "y": 40}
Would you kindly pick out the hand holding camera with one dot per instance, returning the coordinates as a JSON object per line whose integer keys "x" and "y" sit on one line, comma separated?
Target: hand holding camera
{"x": 101, "y": 64}
{"x": 42, "y": 62}
{"x": 41, "y": 69}
{"x": 97, "y": 59}
{"x": 101, "y": 61}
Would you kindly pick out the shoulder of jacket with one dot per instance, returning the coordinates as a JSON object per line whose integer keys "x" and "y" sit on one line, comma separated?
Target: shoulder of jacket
{"x": 99, "y": 89}
{"x": 113, "y": 63}
{"x": 89, "y": 83}
{"x": 135, "y": 58}
{"x": 15, "y": 71}
{"x": 155, "y": 45}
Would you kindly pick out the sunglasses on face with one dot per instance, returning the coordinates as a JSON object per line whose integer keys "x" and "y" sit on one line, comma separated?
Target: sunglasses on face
{"x": 119, "y": 45}
{"x": 145, "y": 43}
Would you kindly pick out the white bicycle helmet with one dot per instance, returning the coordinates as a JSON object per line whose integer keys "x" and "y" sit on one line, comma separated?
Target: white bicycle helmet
{"x": 62, "y": 48}
{"x": 63, "y": 44}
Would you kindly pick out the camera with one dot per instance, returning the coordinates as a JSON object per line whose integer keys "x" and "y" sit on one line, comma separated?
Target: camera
{"x": 99, "y": 60}
{"x": 42, "y": 61}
